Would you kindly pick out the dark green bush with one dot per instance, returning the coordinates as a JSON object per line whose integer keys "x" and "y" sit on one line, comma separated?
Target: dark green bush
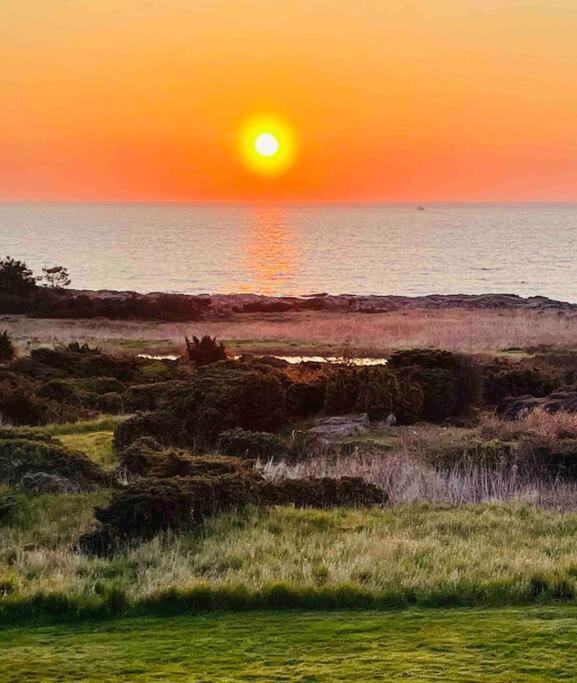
{"x": 451, "y": 382}
{"x": 148, "y": 506}
{"x": 110, "y": 403}
{"x": 411, "y": 401}
{"x": 305, "y": 398}
{"x": 138, "y": 457}
{"x": 241, "y": 443}
{"x": 372, "y": 390}
{"x": 342, "y": 389}
{"x": 165, "y": 427}
{"x": 21, "y": 404}
{"x": 502, "y": 379}
{"x": 322, "y": 493}
{"x": 20, "y": 458}
{"x": 14, "y": 506}
{"x": 7, "y": 348}
{"x": 80, "y": 361}
{"x": 146, "y": 397}
{"x": 229, "y": 395}
{"x": 378, "y": 392}
{"x": 145, "y": 457}
{"x": 63, "y": 391}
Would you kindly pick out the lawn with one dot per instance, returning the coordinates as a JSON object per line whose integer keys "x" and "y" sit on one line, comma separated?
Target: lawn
{"x": 417, "y": 645}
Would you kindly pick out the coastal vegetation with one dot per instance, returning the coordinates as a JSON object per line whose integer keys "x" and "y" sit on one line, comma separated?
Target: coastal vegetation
{"x": 400, "y": 484}
{"x": 201, "y": 478}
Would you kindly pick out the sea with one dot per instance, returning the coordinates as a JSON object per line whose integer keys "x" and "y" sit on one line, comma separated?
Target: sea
{"x": 296, "y": 249}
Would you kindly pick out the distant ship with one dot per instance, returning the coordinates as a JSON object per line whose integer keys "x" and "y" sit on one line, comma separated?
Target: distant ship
{"x": 420, "y": 208}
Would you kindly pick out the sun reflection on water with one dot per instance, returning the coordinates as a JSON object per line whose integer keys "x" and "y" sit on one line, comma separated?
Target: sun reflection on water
{"x": 271, "y": 253}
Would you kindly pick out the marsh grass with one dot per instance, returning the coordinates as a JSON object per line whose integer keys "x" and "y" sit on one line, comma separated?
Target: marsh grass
{"x": 323, "y": 333}
{"x": 423, "y": 554}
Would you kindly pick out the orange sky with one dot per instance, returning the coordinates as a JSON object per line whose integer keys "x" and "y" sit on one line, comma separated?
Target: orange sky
{"x": 391, "y": 100}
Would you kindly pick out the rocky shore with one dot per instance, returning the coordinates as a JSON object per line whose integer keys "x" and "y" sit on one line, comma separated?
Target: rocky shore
{"x": 210, "y": 306}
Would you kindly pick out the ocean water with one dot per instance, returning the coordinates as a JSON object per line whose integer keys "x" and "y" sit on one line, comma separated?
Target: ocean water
{"x": 301, "y": 249}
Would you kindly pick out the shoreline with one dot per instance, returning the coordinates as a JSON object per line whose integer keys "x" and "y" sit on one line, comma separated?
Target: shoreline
{"x": 217, "y": 305}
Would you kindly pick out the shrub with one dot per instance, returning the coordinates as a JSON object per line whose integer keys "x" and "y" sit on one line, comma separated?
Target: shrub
{"x": 241, "y": 443}
{"x": 220, "y": 397}
{"x": 378, "y": 392}
{"x": 137, "y": 458}
{"x": 62, "y": 390}
{"x": 410, "y": 402}
{"x": 451, "y": 383}
{"x": 23, "y": 457}
{"x": 162, "y": 426}
{"x": 305, "y": 398}
{"x": 7, "y": 348}
{"x": 14, "y": 507}
{"x": 502, "y": 380}
{"x": 110, "y": 402}
{"x": 21, "y": 403}
{"x": 80, "y": 361}
{"x": 341, "y": 391}
{"x": 150, "y": 396}
{"x": 229, "y": 395}
{"x": 29, "y": 434}
{"x": 371, "y": 390}
{"x": 148, "y": 506}
{"x": 322, "y": 493}
{"x": 146, "y": 458}
{"x": 205, "y": 350}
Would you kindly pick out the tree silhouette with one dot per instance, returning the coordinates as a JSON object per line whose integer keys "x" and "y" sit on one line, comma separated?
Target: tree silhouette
{"x": 56, "y": 277}
{"x": 16, "y": 277}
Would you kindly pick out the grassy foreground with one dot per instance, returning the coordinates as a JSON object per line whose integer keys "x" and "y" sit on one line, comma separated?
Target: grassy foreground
{"x": 418, "y": 645}
{"x": 425, "y": 555}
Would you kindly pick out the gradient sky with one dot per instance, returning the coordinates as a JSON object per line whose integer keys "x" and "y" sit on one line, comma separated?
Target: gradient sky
{"x": 391, "y": 100}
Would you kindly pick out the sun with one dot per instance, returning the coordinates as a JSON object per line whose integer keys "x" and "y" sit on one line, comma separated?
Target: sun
{"x": 267, "y": 145}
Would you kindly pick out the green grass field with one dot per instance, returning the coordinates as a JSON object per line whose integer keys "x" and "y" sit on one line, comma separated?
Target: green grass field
{"x": 501, "y": 645}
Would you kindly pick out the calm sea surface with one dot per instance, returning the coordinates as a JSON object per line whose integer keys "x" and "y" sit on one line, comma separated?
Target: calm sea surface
{"x": 375, "y": 249}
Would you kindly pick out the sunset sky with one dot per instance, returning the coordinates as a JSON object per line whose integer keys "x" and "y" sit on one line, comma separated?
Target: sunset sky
{"x": 388, "y": 100}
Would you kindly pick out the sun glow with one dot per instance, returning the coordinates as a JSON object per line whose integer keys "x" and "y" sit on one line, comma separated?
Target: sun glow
{"x": 267, "y": 145}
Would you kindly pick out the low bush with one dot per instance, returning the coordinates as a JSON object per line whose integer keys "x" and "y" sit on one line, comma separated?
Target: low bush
{"x": 147, "y": 397}
{"x": 165, "y": 427}
{"x": 139, "y": 456}
{"x": 21, "y": 458}
{"x": 451, "y": 382}
{"x": 377, "y": 391}
{"x": 322, "y": 493}
{"x": 22, "y": 404}
{"x": 14, "y": 506}
{"x": 146, "y": 458}
{"x": 110, "y": 403}
{"x": 232, "y": 394}
{"x": 502, "y": 379}
{"x": 304, "y": 399}
{"x": 7, "y": 348}
{"x": 148, "y": 506}
{"x": 241, "y": 443}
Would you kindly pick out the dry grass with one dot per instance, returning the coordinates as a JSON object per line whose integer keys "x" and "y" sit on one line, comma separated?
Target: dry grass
{"x": 406, "y": 479}
{"x": 418, "y": 466}
{"x": 370, "y": 335}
